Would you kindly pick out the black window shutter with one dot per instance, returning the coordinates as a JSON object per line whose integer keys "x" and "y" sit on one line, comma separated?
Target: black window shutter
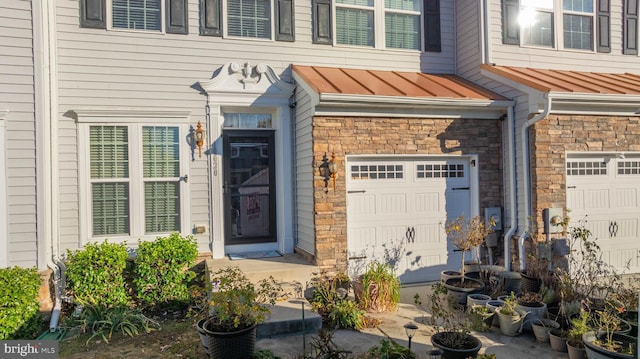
{"x": 510, "y": 27}
{"x": 603, "y": 27}
{"x": 92, "y": 14}
{"x": 630, "y": 27}
{"x": 322, "y": 22}
{"x": 210, "y": 20}
{"x": 285, "y": 20}
{"x": 177, "y": 16}
{"x": 432, "y": 26}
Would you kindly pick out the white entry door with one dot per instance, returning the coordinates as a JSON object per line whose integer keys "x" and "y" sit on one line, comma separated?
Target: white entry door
{"x": 396, "y": 213}
{"x": 605, "y": 191}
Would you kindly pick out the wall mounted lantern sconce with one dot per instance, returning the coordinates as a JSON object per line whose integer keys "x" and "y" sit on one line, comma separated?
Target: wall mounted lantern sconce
{"x": 329, "y": 170}
{"x": 198, "y": 136}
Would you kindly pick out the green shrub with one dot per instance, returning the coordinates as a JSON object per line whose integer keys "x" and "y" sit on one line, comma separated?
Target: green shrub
{"x": 19, "y": 307}
{"x": 96, "y": 274}
{"x": 162, "y": 270}
{"x": 347, "y": 315}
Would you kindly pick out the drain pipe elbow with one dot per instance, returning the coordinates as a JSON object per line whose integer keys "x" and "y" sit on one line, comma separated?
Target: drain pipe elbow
{"x": 58, "y": 290}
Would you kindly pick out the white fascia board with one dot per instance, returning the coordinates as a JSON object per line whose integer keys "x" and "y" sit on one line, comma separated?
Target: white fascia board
{"x": 511, "y": 83}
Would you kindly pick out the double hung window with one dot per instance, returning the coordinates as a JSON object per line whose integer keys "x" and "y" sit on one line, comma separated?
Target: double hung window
{"x": 133, "y": 179}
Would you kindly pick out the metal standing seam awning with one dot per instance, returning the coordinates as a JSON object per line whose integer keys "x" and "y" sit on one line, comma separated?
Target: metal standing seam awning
{"x": 572, "y": 91}
{"x": 340, "y": 90}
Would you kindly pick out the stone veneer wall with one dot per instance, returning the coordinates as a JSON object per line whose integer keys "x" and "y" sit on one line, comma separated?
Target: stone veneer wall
{"x": 400, "y": 136}
{"x": 552, "y": 137}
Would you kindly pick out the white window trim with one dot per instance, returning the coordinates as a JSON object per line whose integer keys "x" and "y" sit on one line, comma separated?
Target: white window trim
{"x": 379, "y": 25}
{"x": 225, "y": 24}
{"x": 109, "y": 13}
{"x": 558, "y": 27}
{"x": 135, "y": 119}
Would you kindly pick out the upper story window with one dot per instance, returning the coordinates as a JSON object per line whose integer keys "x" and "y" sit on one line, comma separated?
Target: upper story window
{"x": 136, "y": 14}
{"x": 566, "y": 24}
{"x": 249, "y": 18}
{"x": 578, "y": 24}
{"x": 169, "y": 16}
{"x": 391, "y": 24}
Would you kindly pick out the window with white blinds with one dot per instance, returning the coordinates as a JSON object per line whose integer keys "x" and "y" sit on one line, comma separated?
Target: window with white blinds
{"x": 137, "y": 14}
{"x": 354, "y": 22}
{"x": 397, "y": 23}
{"x": 130, "y": 190}
{"x": 249, "y": 18}
{"x": 402, "y": 24}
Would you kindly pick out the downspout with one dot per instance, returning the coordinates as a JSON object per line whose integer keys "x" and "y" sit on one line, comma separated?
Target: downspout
{"x": 294, "y": 171}
{"x": 526, "y": 182}
{"x": 484, "y": 33}
{"x": 513, "y": 208}
{"x": 45, "y": 59}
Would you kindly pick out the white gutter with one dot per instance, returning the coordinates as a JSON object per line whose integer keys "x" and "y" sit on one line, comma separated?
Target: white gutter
{"x": 349, "y": 100}
{"x": 513, "y": 207}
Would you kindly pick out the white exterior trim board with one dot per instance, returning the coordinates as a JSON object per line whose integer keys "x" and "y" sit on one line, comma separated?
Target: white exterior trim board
{"x": 4, "y": 233}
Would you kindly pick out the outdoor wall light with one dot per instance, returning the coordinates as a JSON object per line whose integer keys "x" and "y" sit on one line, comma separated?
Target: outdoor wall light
{"x": 410, "y": 330}
{"x": 198, "y": 136}
{"x": 328, "y": 170}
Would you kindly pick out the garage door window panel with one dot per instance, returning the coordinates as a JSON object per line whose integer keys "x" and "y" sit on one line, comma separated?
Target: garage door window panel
{"x": 376, "y": 172}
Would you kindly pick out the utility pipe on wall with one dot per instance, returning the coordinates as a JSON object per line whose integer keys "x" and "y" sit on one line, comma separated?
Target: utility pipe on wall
{"x": 513, "y": 208}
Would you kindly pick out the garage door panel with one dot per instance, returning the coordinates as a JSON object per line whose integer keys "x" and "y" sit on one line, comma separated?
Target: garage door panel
{"x": 362, "y": 204}
{"x": 575, "y": 199}
{"x": 623, "y": 258}
{"x": 430, "y": 234}
{"x": 627, "y": 227}
{"x": 597, "y": 199}
{"x": 428, "y": 202}
{"x": 599, "y": 228}
{"x": 626, "y": 197}
{"x": 391, "y": 203}
{"x": 362, "y": 238}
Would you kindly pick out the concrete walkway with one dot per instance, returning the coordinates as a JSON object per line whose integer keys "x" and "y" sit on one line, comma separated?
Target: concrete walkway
{"x": 523, "y": 346}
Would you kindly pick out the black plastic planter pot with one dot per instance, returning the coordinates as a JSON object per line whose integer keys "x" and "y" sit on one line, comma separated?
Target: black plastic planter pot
{"x": 470, "y": 348}
{"x": 594, "y": 351}
{"x": 240, "y": 344}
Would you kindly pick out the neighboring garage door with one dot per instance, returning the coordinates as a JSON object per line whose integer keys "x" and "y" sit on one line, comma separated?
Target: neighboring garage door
{"x": 605, "y": 191}
{"x": 396, "y": 211}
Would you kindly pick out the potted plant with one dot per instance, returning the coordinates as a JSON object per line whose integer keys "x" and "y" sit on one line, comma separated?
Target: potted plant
{"x": 541, "y": 328}
{"x": 511, "y": 321}
{"x": 531, "y": 303}
{"x": 452, "y": 326}
{"x": 607, "y": 341}
{"x": 378, "y": 289}
{"x": 579, "y": 326}
{"x": 465, "y": 235}
{"x": 236, "y": 307}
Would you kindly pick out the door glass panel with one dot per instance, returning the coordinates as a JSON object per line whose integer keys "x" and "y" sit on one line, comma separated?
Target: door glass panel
{"x": 249, "y": 189}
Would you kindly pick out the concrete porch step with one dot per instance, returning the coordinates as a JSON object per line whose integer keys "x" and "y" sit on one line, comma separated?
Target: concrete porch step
{"x": 293, "y": 273}
{"x": 286, "y": 317}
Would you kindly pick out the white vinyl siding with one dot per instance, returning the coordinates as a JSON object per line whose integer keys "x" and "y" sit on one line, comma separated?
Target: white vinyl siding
{"x": 19, "y": 245}
{"x": 137, "y": 14}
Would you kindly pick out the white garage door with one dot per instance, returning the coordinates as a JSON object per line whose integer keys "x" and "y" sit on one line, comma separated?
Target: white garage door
{"x": 396, "y": 211}
{"x": 606, "y": 190}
